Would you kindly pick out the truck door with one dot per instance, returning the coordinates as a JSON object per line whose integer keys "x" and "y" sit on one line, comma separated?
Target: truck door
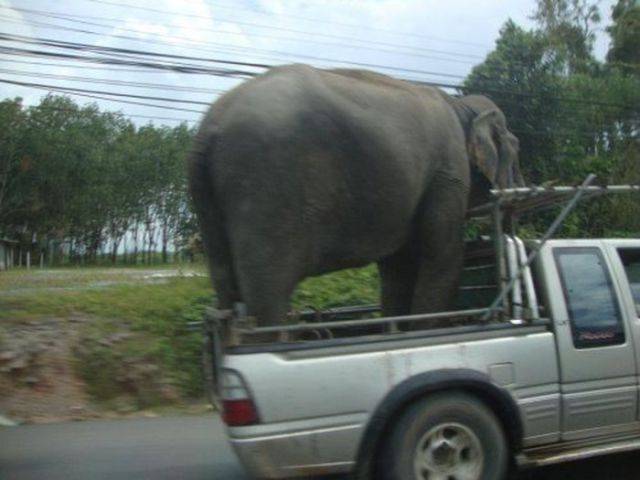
{"x": 625, "y": 260}
{"x": 597, "y": 359}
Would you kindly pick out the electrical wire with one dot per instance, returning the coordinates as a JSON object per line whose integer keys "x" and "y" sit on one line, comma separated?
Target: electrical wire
{"x": 352, "y": 41}
{"x": 225, "y": 48}
{"x": 257, "y": 25}
{"x": 92, "y": 94}
{"x": 123, "y": 83}
{"x": 99, "y": 95}
{"x": 83, "y": 67}
{"x": 348, "y": 25}
{"x": 135, "y": 52}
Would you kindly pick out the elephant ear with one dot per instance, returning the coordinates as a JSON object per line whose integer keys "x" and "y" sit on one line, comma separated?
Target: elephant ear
{"x": 493, "y": 149}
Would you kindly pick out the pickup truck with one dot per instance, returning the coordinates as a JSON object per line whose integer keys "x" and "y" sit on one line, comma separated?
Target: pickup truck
{"x": 553, "y": 376}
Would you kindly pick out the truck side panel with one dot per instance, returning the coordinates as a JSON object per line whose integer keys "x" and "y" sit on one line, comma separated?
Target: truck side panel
{"x": 325, "y": 398}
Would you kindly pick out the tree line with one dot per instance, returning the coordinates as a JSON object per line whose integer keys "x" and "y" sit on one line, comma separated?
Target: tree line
{"x": 76, "y": 183}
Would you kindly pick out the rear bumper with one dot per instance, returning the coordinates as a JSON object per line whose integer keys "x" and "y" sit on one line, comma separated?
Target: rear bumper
{"x": 296, "y": 453}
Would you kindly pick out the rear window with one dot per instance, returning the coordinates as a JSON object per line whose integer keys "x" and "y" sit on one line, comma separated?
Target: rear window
{"x": 630, "y": 258}
{"x": 594, "y": 311}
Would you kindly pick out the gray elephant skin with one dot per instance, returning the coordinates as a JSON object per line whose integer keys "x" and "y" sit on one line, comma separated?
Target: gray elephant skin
{"x": 302, "y": 171}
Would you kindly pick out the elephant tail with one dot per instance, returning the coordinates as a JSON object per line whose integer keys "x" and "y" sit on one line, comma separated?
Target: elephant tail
{"x": 210, "y": 215}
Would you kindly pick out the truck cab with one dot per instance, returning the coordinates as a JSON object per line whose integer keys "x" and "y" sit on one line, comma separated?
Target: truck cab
{"x": 590, "y": 289}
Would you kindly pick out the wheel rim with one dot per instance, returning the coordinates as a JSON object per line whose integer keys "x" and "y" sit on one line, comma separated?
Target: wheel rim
{"x": 449, "y": 451}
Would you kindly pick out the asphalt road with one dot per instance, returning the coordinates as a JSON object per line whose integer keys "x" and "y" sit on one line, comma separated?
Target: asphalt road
{"x": 185, "y": 448}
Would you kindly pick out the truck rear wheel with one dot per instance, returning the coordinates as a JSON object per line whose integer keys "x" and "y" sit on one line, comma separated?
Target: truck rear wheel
{"x": 446, "y": 436}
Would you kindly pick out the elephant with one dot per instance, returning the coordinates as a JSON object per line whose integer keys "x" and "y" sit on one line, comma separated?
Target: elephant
{"x": 302, "y": 171}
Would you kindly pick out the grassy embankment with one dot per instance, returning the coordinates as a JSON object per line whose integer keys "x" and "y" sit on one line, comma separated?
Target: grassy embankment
{"x": 132, "y": 336}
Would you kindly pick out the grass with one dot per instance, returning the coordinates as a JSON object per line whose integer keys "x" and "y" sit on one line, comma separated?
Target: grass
{"x": 70, "y": 277}
{"x": 158, "y": 353}
{"x": 343, "y": 288}
{"x": 142, "y": 302}
{"x": 124, "y": 295}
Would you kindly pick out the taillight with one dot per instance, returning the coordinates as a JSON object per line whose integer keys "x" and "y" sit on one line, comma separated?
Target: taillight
{"x": 238, "y": 408}
{"x": 236, "y": 413}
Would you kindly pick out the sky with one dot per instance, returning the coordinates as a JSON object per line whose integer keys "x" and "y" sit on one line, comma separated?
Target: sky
{"x": 432, "y": 40}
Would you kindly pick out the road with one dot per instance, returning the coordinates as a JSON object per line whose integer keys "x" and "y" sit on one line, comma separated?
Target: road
{"x": 185, "y": 448}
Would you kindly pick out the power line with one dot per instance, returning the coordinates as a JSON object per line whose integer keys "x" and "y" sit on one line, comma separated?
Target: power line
{"x": 93, "y": 94}
{"x": 97, "y": 48}
{"x": 118, "y": 61}
{"x": 145, "y": 85}
{"x": 49, "y": 26}
{"x": 348, "y": 25}
{"x": 83, "y": 67}
{"x": 124, "y": 83}
{"x": 119, "y": 113}
{"x": 278, "y": 54}
{"x": 223, "y": 72}
{"x": 268, "y": 27}
{"x": 366, "y": 44}
{"x": 126, "y": 95}
{"x": 74, "y": 18}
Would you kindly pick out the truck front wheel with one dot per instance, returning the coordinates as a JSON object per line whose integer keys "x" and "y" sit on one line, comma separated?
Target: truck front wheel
{"x": 445, "y": 436}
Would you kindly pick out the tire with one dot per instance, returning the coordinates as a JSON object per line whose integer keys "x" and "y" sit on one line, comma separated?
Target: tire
{"x": 445, "y": 436}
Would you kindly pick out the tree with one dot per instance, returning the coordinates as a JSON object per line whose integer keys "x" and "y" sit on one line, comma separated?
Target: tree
{"x": 81, "y": 179}
{"x": 624, "y": 51}
{"x": 569, "y": 27}
{"x": 12, "y": 120}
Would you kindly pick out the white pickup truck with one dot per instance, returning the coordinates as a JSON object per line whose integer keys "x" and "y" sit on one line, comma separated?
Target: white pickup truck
{"x": 549, "y": 373}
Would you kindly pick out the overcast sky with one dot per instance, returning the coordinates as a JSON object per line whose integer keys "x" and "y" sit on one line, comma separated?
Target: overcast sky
{"x": 441, "y": 37}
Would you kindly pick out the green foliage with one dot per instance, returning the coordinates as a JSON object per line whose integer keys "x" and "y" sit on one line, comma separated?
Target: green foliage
{"x": 131, "y": 367}
{"x": 625, "y": 36}
{"x": 343, "y": 288}
{"x": 12, "y": 120}
{"x": 83, "y": 178}
{"x": 568, "y": 27}
{"x": 572, "y": 115}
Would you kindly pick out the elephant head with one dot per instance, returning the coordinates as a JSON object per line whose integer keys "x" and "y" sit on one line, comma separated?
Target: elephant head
{"x": 492, "y": 148}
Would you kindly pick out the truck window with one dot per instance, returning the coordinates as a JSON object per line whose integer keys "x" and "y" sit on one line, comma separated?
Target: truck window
{"x": 631, "y": 260}
{"x": 594, "y": 312}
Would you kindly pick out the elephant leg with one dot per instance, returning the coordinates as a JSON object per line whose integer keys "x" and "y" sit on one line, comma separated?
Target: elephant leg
{"x": 441, "y": 247}
{"x": 266, "y": 297}
{"x": 398, "y": 274}
{"x": 267, "y": 277}
{"x": 220, "y": 264}
{"x": 215, "y": 241}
